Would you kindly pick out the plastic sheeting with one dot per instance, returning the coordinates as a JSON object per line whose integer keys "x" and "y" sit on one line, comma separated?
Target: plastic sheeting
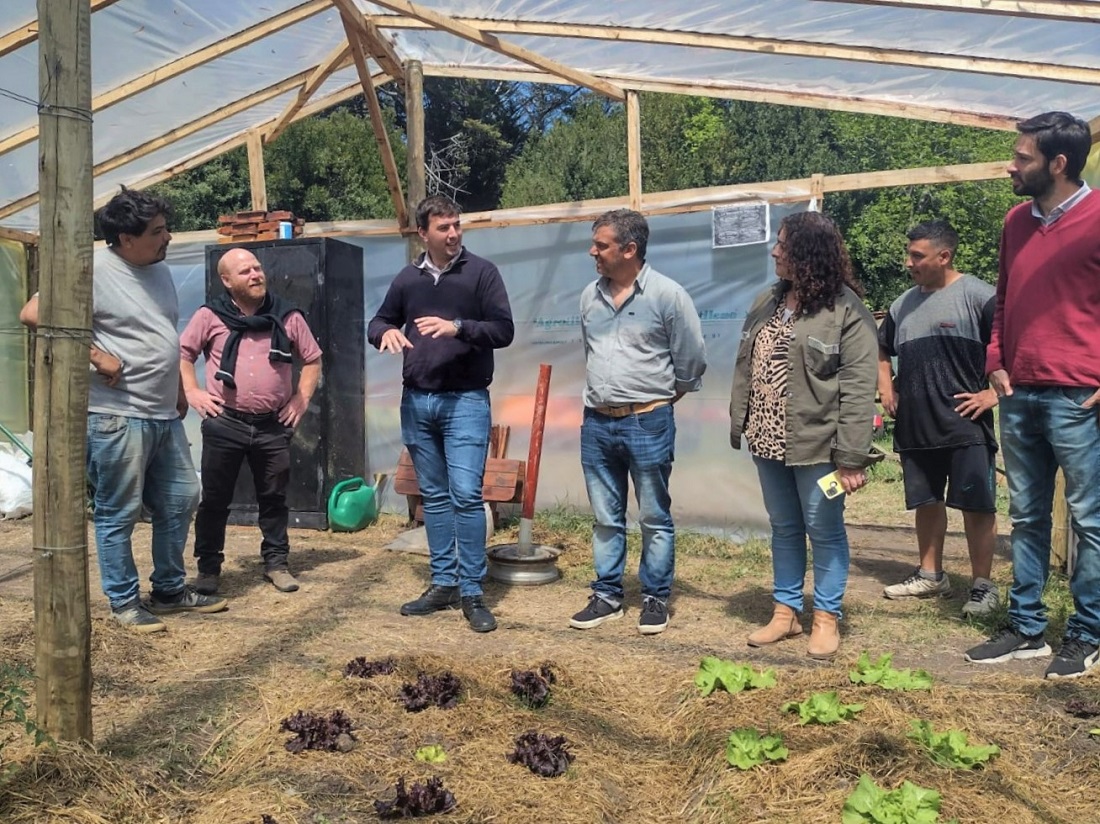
{"x": 545, "y": 267}
{"x": 133, "y": 37}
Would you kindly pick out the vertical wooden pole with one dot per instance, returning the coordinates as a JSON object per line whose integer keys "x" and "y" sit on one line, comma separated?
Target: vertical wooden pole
{"x": 414, "y": 135}
{"x": 1062, "y": 555}
{"x": 256, "y": 171}
{"x": 62, "y": 623}
{"x": 634, "y": 150}
{"x": 817, "y": 191}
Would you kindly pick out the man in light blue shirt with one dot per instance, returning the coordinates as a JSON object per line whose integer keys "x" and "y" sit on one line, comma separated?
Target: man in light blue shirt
{"x": 643, "y": 349}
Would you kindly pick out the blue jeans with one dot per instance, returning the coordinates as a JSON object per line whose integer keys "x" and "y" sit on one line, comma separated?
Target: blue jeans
{"x": 447, "y": 435}
{"x": 797, "y": 508}
{"x": 132, "y": 461}
{"x": 642, "y": 448}
{"x": 1043, "y": 428}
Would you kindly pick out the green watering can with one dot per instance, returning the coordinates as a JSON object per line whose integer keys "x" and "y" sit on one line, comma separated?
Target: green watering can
{"x": 354, "y": 505}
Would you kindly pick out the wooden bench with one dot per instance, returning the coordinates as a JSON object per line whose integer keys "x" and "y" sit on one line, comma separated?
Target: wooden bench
{"x": 503, "y": 483}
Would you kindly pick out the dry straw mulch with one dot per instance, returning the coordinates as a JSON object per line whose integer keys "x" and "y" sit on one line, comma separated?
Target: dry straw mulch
{"x": 648, "y": 748}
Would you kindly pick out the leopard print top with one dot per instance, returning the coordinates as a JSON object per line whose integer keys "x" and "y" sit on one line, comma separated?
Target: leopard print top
{"x": 766, "y": 427}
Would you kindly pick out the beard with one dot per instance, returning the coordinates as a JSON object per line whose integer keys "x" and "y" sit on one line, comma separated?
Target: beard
{"x": 1034, "y": 184}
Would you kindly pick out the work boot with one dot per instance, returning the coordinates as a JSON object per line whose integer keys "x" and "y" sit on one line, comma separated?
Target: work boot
{"x": 434, "y": 599}
{"x": 282, "y": 580}
{"x": 206, "y": 583}
{"x": 824, "y": 636}
{"x": 784, "y": 624}
{"x": 477, "y": 614}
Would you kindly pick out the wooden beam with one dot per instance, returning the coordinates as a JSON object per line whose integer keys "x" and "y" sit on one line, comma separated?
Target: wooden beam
{"x": 19, "y": 236}
{"x": 634, "y": 150}
{"x": 336, "y": 60}
{"x": 731, "y": 91}
{"x": 1094, "y": 129}
{"x": 414, "y": 139}
{"x": 1087, "y": 75}
{"x": 62, "y": 619}
{"x": 1080, "y": 10}
{"x": 378, "y": 45}
{"x": 216, "y": 116}
{"x": 256, "y": 179}
{"x": 24, "y": 35}
{"x": 378, "y": 124}
{"x": 183, "y": 64}
{"x": 490, "y": 41}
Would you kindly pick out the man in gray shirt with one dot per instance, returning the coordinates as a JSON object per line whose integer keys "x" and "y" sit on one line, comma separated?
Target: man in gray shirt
{"x": 137, "y": 449}
{"x": 643, "y": 348}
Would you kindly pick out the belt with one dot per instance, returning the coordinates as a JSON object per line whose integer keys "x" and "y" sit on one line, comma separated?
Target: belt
{"x": 249, "y": 417}
{"x": 629, "y": 409}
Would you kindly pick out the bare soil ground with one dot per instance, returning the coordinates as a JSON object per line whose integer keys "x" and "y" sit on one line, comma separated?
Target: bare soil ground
{"x": 186, "y": 722}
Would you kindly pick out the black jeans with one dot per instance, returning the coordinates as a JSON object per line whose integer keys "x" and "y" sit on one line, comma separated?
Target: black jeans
{"x": 227, "y": 440}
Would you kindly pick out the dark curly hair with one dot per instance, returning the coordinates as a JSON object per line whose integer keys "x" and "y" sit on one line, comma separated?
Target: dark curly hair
{"x": 818, "y": 261}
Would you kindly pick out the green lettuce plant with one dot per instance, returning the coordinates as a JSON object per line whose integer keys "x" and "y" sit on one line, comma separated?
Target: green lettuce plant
{"x": 716, "y": 673}
{"x": 881, "y": 674}
{"x": 822, "y": 708}
{"x": 746, "y": 748}
{"x": 908, "y": 804}
{"x": 951, "y": 748}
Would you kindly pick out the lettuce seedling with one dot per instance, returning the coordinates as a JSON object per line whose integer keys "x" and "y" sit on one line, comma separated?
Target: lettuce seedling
{"x": 431, "y": 754}
{"x": 717, "y": 673}
{"x": 746, "y": 748}
{"x": 951, "y": 748}
{"x": 883, "y": 675}
{"x": 908, "y": 804}
{"x": 428, "y": 798}
{"x": 822, "y": 708}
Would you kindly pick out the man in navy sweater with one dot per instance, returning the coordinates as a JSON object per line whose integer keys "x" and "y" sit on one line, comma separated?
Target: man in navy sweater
{"x": 445, "y": 314}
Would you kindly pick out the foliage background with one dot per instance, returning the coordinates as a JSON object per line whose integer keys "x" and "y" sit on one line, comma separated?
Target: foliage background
{"x": 500, "y": 145}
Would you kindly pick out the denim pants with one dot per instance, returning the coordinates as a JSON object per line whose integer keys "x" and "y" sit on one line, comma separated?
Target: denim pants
{"x": 1043, "y": 428}
{"x": 227, "y": 442}
{"x": 132, "y": 461}
{"x": 642, "y": 448}
{"x": 797, "y": 508}
{"x": 447, "y": 435}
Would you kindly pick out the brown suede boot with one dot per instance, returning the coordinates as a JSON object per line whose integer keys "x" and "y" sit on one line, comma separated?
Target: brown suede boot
{"x": 824, "y": 637}
{"x": 784, "y": 624}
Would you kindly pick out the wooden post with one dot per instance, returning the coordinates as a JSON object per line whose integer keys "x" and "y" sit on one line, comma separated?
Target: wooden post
{"x": 1062, "y": 554}
{"x": 817, "y": 191}
{"x": 256, "y": 171}
{"x": 414, "y": 135}
{"x": 62, "y": 622}
{"x": 634, "y": 150}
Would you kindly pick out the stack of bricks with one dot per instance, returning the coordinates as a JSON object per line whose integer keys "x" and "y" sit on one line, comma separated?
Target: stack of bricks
{"x": 242, "y": 226}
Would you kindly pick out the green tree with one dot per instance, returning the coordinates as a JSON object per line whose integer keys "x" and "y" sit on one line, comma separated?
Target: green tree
{"x": 200, "y": 195}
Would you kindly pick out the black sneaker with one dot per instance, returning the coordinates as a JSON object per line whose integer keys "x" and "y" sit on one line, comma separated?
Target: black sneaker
{"x": 597, "y": 611}
{"x": 654, "y": 617}
{"x": 1006, "y": 645}
{"x": 136, "y": 617}
{"x": 434, "y": 599}
{"x": 187, "y": 600}
{"x": 1074, "y": 659}
{"x": 477, "y": 614}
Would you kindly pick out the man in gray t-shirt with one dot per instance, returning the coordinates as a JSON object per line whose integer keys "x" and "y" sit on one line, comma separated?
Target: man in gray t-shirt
{"x": 138, "y": 453}
{"x": 942, "y": 407}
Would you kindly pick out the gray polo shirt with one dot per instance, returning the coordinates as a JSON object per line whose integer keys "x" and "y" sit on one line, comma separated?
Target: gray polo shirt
{"x": 650, "y": 348}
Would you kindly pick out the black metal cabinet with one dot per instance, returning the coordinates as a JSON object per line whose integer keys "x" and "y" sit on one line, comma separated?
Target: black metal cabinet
{"x": 324, "y": 279}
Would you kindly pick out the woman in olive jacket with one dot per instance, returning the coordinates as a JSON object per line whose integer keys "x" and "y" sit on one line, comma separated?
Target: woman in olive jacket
{"x": 804, "y": 399}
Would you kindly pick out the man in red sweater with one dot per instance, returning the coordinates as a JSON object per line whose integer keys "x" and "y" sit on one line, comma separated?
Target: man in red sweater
{"x": 1044, "y": 362}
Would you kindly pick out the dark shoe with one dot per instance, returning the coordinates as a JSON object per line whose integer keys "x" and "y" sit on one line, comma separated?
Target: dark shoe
{"x": 188, "y": 600}
{"x": 597, "y": 611}
{"x": 477, "y": 614}
{"x": 206, "y": 583}
{"x": 1006, "y": 645}
{"x": 1074, "y": 659}
{"x": 434, "y": 599}
{"x": 654, "y": 617}
{"x": 138, "y": 618}
{"x": 282, "y": 580}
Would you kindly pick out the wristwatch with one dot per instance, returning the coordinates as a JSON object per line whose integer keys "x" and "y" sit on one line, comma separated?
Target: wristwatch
{"x": 458, "y": 326}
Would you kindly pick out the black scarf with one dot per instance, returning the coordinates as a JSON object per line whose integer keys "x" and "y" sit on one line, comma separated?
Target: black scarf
{"x": 270, "y": 315}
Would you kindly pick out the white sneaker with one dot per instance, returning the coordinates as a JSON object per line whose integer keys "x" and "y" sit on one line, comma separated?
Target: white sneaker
{"x": 984, "y": 598}
{"x": 917, "y": 586}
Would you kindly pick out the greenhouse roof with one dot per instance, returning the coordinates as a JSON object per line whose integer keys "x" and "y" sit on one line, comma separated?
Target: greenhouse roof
{"x": 176, "y": 83}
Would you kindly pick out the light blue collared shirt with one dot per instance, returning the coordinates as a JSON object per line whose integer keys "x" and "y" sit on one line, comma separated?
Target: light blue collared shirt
{"x": 1061, "y": 208}
{"x": 649, "y": 349}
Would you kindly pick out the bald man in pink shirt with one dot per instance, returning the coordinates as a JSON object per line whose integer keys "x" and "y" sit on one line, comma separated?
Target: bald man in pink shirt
{"x": 250, "y": 408}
